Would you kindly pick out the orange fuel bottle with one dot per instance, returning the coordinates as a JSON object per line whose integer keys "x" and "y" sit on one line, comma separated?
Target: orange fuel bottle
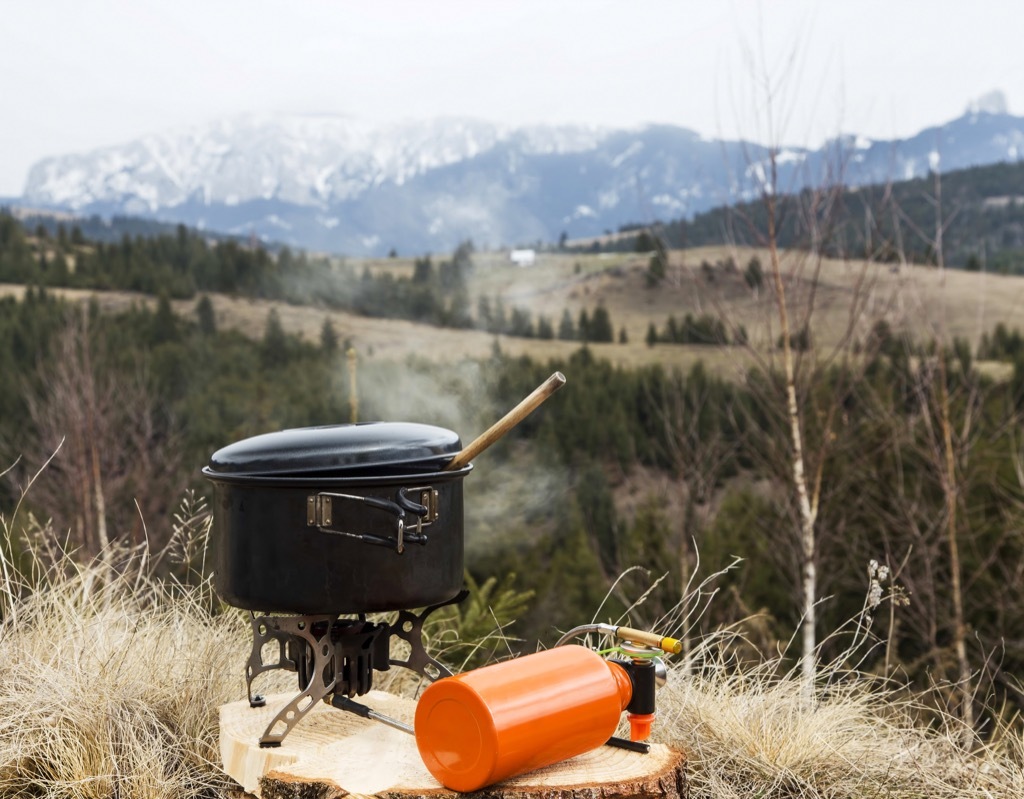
{"x": 484, "y": 726}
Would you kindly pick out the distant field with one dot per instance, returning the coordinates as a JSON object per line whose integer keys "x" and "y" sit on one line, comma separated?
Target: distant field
{"x": 912, "y": 296}
{"x": 920, "y": 299}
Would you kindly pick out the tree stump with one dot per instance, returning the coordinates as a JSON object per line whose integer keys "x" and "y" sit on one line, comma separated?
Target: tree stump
{"x": 332, "y": 754}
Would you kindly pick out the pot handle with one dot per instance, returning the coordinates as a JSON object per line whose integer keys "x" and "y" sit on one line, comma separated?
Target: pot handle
{"x": 413, "y": 507}
{"x": 320, "y": 514}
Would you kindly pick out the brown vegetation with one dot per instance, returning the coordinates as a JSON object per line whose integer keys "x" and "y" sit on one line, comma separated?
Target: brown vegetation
{"x": 907, "y": 297}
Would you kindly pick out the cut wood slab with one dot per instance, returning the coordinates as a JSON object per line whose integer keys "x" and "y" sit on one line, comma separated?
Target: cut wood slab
{"x": 331, "y": 754}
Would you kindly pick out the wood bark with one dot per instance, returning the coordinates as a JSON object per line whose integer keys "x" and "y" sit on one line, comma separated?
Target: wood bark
{"x": 332, "y": 754}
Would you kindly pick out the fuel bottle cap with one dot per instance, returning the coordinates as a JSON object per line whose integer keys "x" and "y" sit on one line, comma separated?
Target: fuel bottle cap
{"x": 640, "y": 726}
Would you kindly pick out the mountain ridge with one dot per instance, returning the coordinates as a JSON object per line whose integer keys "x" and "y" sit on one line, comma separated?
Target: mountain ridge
{"x": 341, "y": 185}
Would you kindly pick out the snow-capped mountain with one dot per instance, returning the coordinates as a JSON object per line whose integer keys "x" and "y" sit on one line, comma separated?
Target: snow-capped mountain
{"x": 309, "y": 161}
{"x": 338, "y": 184}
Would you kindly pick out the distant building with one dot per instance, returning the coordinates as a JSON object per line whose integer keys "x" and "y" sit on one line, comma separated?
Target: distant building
{"x": 523, "y": 257}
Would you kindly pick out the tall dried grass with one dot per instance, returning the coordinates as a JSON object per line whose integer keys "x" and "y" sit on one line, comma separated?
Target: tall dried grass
{"x": 750, "y": 730}
{"x": 110, "y": 679}
{"x": 751, "y": 733}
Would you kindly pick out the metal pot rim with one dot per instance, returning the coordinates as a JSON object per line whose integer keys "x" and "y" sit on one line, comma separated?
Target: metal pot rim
{"x": 322, "y": 480}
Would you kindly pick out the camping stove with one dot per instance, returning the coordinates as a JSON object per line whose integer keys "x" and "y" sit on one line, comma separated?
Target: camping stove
{"x": 337, "y": 522}
{"x": 333, "y": 524}
{"x": 334, "y": 658}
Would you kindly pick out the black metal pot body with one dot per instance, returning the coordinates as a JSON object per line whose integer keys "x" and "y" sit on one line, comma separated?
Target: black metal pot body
{"x": 333, "y": 533}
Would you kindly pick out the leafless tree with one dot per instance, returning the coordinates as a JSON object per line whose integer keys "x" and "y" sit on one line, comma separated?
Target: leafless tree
{"x": 699, "y": 449}
{"x": 796, "y": 389}
{"x": 946, "y": 446}
{"x": 118, "y": 471}
{"x": 948, "y": 450}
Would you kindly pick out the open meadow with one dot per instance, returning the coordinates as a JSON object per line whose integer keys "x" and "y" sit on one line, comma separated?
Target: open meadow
{"x": 849, "y": 297}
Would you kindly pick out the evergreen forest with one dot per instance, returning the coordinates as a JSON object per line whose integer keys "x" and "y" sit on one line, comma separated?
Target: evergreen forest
{"x": 982, "y": 210}
{"x": 186, "y": 263}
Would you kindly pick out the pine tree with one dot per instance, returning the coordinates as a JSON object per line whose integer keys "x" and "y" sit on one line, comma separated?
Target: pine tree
{"x": 206, "y": 317}
{"x": 657, "y": 267}
{"x": 462, "y": 258}
{"x": 583, "y": 326}
{"x": 498, "y": 323}
{"x": 566, "y": 329}
{"x": 483, "y": 312}
{"x": 754, "y": 274}
{"x": 423, "y": 271}
{"x": 275, "y": 341}
{"x": 458, "y": 308}
{"x": 328, "y": 337}
{"x": 59, "y": 273}
{"x": 165, "y": 323}
{"x": 600, "y": 328}
{"x": 520, "y": 323}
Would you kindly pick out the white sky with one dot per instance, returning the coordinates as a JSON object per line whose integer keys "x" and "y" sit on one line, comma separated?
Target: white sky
{"x": 79, "y": 74}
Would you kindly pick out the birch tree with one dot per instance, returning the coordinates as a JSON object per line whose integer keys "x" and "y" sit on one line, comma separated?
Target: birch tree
{"x": 808, "y": 373}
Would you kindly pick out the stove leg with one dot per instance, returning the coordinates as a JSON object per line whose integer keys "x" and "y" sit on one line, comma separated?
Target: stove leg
{"x": 315, "y": 689}
{"x": 409, "y": 627}
{"x": 264, "y": 630}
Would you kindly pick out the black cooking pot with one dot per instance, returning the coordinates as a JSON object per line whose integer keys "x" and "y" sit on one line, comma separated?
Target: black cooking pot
{"x": 339, "y": 519}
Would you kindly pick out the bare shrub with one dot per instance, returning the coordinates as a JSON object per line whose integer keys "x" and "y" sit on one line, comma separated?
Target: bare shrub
{"x": 113, "y": 448}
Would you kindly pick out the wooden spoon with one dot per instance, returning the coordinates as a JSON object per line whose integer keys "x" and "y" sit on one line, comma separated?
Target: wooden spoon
{"x": 507, "y": 422}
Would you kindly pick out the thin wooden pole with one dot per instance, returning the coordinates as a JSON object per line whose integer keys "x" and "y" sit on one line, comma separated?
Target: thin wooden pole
{"x": 508, "y": 421}
{"x": 353, "y": 393}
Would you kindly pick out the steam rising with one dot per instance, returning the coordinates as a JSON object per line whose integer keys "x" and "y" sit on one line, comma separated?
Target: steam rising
{"x": 512, "y": 494}
{"x": 453, "y": 396}
{"x": 513, "y": 501}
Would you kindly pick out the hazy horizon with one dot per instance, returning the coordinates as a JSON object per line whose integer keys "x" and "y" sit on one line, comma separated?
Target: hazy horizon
{"x": 95, "y": 75}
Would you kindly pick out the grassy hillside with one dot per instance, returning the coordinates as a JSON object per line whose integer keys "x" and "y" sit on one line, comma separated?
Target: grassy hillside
{"x": 919, "y": 299}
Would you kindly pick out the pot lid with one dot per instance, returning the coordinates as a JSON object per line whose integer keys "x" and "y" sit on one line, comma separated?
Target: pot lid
{"x": 340, "y": 449}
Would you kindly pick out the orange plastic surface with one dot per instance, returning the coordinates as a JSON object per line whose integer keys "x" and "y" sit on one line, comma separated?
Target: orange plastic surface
{"x": 640, "y": 726}
{"x": 484, "y": 726}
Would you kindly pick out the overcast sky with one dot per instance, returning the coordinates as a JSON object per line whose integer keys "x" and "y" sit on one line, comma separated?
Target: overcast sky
{"x": 79, "y": 74}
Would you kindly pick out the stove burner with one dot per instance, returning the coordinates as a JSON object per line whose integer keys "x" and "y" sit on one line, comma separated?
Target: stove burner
{"x": 334, "y": 657}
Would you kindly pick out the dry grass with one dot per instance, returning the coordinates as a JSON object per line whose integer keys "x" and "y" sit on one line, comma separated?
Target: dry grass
{"x": 750, "y": 730}
{"x": 751, "y": 733}
{"x": 110, "y": 681}
{"x": 110, "y": 688}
